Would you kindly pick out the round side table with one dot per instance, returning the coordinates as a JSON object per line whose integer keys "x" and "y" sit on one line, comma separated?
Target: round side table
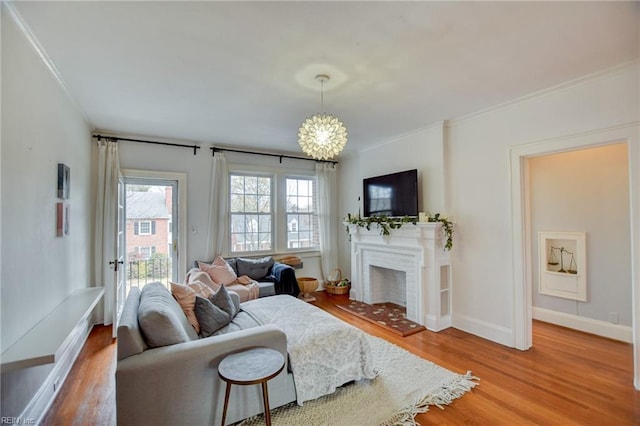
{"x": 250, "y": 367}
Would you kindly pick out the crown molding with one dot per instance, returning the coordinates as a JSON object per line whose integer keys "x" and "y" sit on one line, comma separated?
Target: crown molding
{"x": 432, "y": 126}
{"x": 42, "y": 54}
{"x": 544, "y": 92}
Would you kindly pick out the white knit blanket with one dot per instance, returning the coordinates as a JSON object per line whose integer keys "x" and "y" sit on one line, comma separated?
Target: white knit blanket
{"x": 324, "y": 351}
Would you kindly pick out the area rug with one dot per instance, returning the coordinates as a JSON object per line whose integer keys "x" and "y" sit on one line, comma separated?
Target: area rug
{"x": 387, "y": 315}
{"x": 406, "y": 386}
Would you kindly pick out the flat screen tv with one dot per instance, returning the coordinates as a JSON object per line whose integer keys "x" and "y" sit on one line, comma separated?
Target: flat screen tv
{"x": 395, "y": 194}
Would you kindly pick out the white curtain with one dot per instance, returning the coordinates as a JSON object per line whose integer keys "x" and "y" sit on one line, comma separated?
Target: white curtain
{"x": 218, "y": 201}
{"x": 106, "y": 226}
{"x": 327, "y": 217}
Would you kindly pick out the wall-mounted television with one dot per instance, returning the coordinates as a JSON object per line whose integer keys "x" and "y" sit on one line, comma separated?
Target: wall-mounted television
{"x": 395, "y": 194}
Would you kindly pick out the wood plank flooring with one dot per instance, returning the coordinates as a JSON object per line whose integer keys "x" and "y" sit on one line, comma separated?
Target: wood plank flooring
{"x": 567, "y": 378}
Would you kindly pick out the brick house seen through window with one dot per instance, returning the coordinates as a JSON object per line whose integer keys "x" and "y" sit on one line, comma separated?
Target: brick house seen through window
{"x": 148, "y": 222}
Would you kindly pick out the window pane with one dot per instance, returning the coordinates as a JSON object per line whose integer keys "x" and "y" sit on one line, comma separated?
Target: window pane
{"x": 264, "y": 204}
{"x": 265, "y": 223}
{"x": 251, "y": 223}
{"x": 265, "y": 241}
{"x": 237, "y": 184}
{"x": 237, "y": 203}
{"x": 292, "y": 186}
{"x": 237, "y": 223}
{"x": 250, "y": 203}
{"x": 250, "y": 185}
{"x": 304, "y": 222}
{"x": 292, "y": 204}
{"x": 264, "y": 186}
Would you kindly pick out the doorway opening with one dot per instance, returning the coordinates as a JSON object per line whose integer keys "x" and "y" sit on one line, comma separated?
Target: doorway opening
{"x": 580, "y": 239}
{"x": 521, "y": 226}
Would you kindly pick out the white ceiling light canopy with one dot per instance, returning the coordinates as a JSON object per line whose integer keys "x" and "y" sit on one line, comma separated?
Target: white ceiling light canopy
{"x": 322, "y": 136}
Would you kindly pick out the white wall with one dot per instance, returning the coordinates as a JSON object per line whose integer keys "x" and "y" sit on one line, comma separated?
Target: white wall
{"x": 478, "y": 157}
{"x": 422, "y": 150}
{"x": 586, "y": 191}
{"x": 40, "y": 128}
{"x": 476, "y": 183}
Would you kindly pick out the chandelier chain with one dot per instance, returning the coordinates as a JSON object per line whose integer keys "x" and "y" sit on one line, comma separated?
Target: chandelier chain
{"x": 322, "y": 95}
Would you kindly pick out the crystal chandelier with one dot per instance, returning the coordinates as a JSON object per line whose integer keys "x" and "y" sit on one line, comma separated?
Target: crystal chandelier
{"x": 322, "y": 136}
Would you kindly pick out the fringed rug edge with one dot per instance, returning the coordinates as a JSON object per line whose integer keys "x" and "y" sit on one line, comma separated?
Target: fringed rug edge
{"x": 444, "y": 395}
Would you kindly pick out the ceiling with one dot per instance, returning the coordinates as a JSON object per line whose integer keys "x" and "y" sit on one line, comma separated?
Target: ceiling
{"x": 242, "y": 73}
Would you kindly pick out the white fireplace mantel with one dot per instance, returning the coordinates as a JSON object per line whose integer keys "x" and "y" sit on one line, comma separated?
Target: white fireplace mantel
{"x": 418, "y": 252}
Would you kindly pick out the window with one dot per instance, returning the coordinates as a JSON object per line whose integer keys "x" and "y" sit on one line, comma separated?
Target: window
{"x": 146, "y": 252}
{"x": 250, "y": 206}
{"x": 271, "y": 212}
{"x": 145, "y": 227}
{"x": 301, "y": 213}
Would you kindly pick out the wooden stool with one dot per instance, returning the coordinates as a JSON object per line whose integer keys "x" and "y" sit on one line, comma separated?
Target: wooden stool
{"x": 250, "y": 367}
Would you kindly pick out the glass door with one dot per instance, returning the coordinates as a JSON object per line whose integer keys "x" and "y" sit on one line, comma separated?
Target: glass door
{"x": 151, "y": 236}
{"x": 117, "y": 264}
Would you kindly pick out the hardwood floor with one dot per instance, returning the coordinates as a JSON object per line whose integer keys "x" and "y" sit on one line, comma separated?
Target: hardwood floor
{"x": 567, "y": 378}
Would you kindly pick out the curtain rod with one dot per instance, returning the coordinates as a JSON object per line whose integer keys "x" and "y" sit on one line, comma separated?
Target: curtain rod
{"x": 115, "y": 139}
{"x": 281, "y": 156}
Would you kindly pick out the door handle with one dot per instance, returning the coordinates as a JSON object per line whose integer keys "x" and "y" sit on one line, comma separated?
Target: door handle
{"x": 115, "y": 264}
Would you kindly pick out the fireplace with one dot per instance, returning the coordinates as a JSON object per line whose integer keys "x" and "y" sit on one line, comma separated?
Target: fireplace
{"x": 388, "y": 285}
{"x": 409, "y": 267}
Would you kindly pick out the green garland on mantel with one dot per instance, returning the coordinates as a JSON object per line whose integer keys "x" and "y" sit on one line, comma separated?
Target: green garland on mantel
{"x": 386, "y": 224}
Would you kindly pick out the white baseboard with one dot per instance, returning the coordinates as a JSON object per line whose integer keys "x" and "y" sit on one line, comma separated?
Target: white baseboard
{"x": 588, "y": 325}
{"x": 486, "y": 330}
{"x": 42, "y": 400}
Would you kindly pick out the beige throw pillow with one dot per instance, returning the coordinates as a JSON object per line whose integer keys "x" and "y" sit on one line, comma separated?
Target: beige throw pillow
{"x": 220, "y": 271}
{"x": 186, "y": 297}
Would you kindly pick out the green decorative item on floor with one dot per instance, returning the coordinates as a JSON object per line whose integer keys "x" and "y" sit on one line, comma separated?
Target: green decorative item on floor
{"x": 386, "y": 223}
{"x": 406, "y": 385}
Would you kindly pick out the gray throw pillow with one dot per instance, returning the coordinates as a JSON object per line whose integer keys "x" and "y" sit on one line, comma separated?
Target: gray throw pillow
{"x": 210, "y": 317}
{"x": 222, "y": 299}
{"x": 254, "y": 268}
{"x": 232, "y": 262}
